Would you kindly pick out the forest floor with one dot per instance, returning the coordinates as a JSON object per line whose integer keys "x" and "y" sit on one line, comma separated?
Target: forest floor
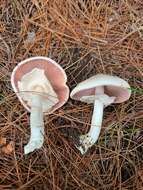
{"x": 85, "y": 37}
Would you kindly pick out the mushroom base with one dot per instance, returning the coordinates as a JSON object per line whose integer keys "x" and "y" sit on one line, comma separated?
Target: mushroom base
{"x": 86, "y": 141}
{"x": 35, "y": 142}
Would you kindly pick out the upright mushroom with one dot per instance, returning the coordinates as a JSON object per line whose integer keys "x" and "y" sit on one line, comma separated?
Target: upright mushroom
{"x": 40, "y": 84}
{"x": 101, "y": 90}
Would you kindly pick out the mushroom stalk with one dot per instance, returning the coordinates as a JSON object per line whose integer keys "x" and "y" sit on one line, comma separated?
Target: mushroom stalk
{"x": 36, "y": 125}
{"x": 96, "y": 121}
{"x": 97, "y": 116}
{"x": 91, "y": 137}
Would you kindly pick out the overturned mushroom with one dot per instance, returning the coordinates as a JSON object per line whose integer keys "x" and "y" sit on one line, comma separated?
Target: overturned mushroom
{"x": 40, "y": 84}
{"x": 101, "y": 90}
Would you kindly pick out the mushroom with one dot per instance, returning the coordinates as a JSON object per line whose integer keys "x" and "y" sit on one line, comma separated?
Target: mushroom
{"x": 101, "y": 90}
{"x": 40, "y": 84}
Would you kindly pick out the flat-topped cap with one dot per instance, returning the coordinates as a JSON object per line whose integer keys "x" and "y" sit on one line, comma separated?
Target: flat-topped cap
{"x": 113, "y": 87}
{"x": 40, "y": 73}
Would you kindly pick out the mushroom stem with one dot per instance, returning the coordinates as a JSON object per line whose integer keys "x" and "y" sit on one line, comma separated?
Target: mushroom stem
{"x": 97, "y": 116}
{"x": 36, "y": 125}
{"x": 91, "y": 137}
{"x": 101, "y": 100}
{"x": 96, "y": 121}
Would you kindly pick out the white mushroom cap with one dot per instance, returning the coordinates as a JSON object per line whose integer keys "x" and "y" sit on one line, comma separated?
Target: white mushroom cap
{"x": 43, "y": 71}
{"x": 113, "y": 87}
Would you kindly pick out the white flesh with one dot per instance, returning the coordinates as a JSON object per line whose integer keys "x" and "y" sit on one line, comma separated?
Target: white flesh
{"x": 36, "y": 125}
{"x": 100, "y": 101}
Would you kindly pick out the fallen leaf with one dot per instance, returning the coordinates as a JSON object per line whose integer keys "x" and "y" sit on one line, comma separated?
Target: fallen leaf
{"x": 2, "y": 141}
{"x": 8, "y": 148}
